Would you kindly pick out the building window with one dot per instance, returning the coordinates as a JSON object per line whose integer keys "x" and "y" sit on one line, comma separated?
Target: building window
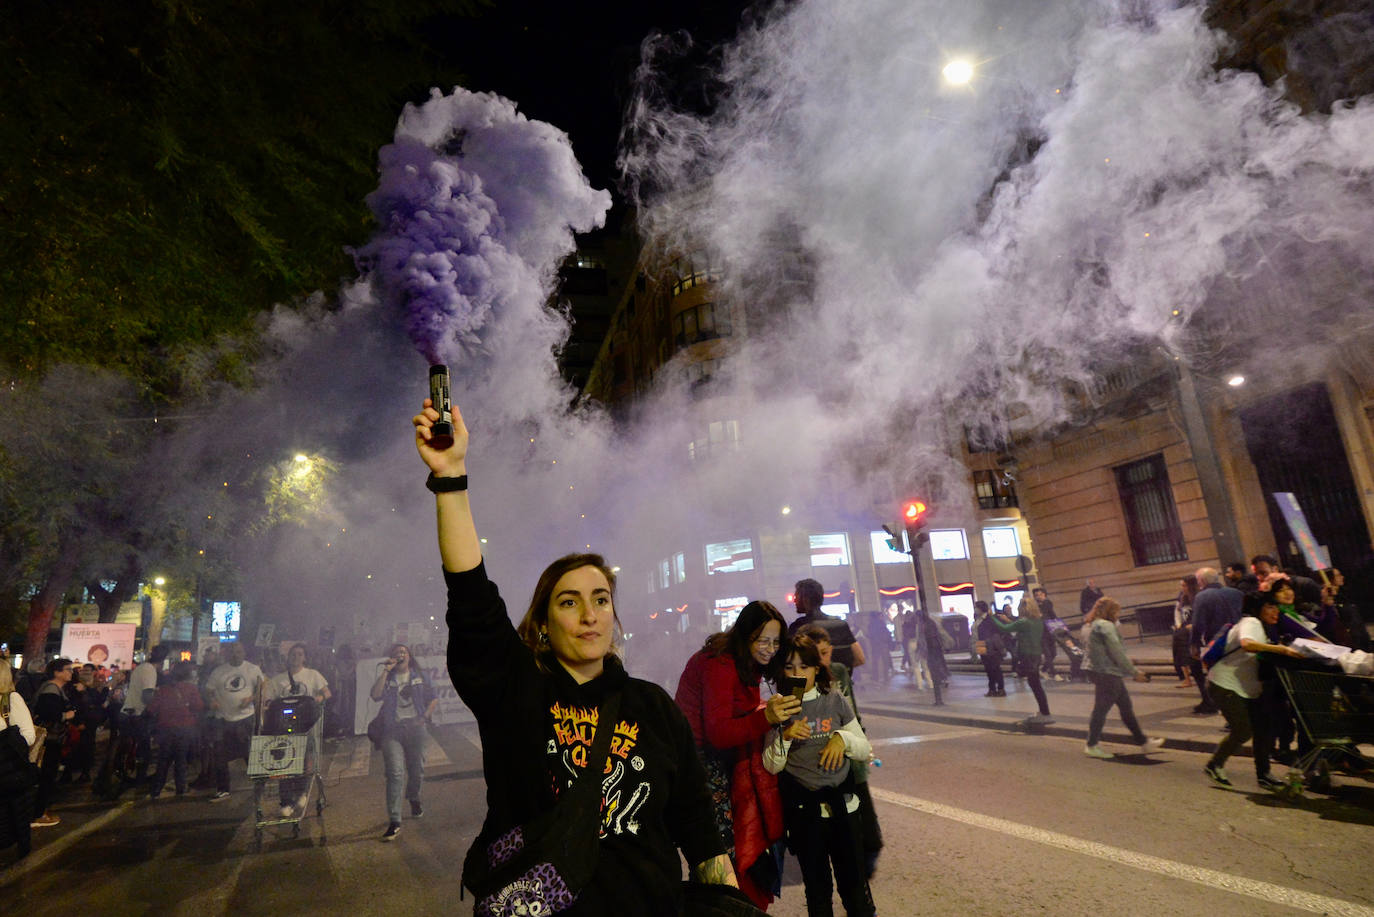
{"x": 664, "y": 575}
{"x": 830, "y": 550}
{"x": 1001, "y": 542}
{"x": 948, "y": 544}
{"x": 721, "y": 436}
{"x": 730, "y": 556}
{"x": 680, "y": 566}
{"x": 1147, "y": 501}
{"x": 704, "y": 322}
{"x": 993, "y": 489}
{"x": 883, "y": 552}
{"x": 692, "y": 271}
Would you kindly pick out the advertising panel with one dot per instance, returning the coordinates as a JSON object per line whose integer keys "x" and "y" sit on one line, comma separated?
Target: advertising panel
{"x": 103, "y": 644}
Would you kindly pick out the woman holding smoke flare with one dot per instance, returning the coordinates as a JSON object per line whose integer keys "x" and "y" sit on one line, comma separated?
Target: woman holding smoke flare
{"x": 537, "y": 693}
{"x": 719, "y": 693}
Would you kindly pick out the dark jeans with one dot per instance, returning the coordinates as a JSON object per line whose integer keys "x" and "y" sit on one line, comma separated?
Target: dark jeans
{"x": 173, "y": 748}
{"x": 1246, "y": 717}
{"x": 139, "y": 727}
{"x": 1200, "y": 681}
{"x": 1029, "y": 667}
{"x": 820, "y": 843}
{"x": 992, "y": 665}
{"x": 1109, "y": 691}
{"x": 232, "y": 740}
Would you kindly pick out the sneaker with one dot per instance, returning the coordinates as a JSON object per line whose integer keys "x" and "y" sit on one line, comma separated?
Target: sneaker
{"x": 392, "y": 830}
{"x": 416, "y": 810}
{"x": 1150, "y": 745}
{"x": 302, "y": 801}
{"x": 287, "y": 811}
{"x": 219, "y": 796}
{"x": 1097, "y": 751}
{"x": 1216, "y": 775}
{"x": 1205, "y": 710}
{"x": 1269, "y": 783}
{"x": 1002, "y": 693}
{"x": 45, "y": 821}
{"x": 1042, "y": 718}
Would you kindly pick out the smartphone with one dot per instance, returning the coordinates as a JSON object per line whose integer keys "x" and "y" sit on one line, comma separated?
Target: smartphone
{"x": 794, "y": 686}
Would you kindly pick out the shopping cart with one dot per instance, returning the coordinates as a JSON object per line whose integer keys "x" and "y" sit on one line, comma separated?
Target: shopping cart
{"x": 287, "y": 747}
{"x": 1336, "y": 712}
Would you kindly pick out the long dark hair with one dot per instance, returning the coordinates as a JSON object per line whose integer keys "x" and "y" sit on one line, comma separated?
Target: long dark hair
{"x": 537, "y": 615}
{"x": 803, "y": 646}
{"x": 738, "y": 641}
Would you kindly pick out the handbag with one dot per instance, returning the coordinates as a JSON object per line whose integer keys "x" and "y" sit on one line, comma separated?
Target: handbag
{"x": 376, "y": 730}
{"x": 541, "y": 867}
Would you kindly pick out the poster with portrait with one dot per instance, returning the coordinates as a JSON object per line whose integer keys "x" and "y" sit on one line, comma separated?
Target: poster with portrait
{"x": 110, "y": 645}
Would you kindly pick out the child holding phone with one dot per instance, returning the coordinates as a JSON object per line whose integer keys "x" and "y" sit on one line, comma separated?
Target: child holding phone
{"x": 812, "y": 753}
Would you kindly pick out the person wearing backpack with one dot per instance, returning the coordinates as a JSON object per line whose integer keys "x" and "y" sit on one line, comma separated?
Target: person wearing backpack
{"x": 1214, "y": 607}
{"x": 1235, "y": 686}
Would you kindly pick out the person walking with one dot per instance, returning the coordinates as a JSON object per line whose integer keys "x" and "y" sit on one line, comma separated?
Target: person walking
{"x": 1108, "y": 667}
{"x": 174, "y": 711}
{"x": 1237, "y": 689}
{"x": 719, "y": 692}
{"x": 991, "y": 649}
{"x": 234, "y": 689}
{"x": 542, "y": 693}
{"x": 1028, "y": 630}
{"x": 408, "y": 702}
{"x": 1215, "y": 606}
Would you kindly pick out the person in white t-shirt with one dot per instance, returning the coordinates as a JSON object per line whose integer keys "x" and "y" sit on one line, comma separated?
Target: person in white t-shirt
{"x": 1233, "y": 683}
{"x": 297, "y": 681}
{"x": 232, "y": 690}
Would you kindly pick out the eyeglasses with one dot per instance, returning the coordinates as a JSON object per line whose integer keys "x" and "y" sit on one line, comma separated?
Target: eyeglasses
{"x": 768, "y": 643}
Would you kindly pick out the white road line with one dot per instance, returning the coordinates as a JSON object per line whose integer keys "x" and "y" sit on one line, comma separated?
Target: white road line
{"x": 933, "y": 737}
{"x": 41, "y": 855}
{"x": 1252, "y": 888}
{"x": 473, "y": 736}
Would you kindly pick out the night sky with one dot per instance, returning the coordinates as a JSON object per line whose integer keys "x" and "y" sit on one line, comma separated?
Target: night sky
{"x": 572, "y": 64}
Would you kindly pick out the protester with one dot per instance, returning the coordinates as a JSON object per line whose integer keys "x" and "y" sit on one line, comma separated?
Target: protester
{"x": 1028, "y": 631}
{"x": 234, "y": 688}
{"x": 408, "y": 702}
{"x": 1214, "y": 607}
{"x": 298, "y": 681}
{"x": 18, "y": 782}
{"x": 1237, "y": 689}
{"x": 538, "y": 693}
{"x": 719, "y": 694}
{"x": 813, "y": 752}
{"x": 175, "y": 710}
{"x": 1108, "y": 667}
{"x": 1048, "y": 646}
{"x": 1088, "y": 597}
{"x": 132, "y": 722}
{"x": 992, "y": 650}
{"x": 1183, "y": 625}
{"x": 54, "y": 712}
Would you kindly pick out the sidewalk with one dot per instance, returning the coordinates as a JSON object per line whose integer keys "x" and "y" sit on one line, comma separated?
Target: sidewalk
{"x": 1163, "y": 709}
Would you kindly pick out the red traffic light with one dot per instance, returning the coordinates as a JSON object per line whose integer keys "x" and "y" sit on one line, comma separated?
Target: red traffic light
{"x": 913, "y": 512}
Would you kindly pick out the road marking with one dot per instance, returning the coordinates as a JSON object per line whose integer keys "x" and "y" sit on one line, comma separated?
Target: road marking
{"x": 933, "y": 737}
{"x": 1252, "y": 888}
{"x": 434, "y": 755}
{"x": 41, "y": 855}
{"x": 473, "y": 736}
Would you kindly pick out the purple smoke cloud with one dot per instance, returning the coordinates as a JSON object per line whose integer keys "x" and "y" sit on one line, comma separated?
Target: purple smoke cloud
{"x": 476, "y": 205}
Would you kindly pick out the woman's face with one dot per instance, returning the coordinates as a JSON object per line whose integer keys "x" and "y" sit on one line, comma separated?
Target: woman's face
{"x": 1269, "y": 614}
{"x": 798, "y": 669}
{"x": 765, "y": 643}
{"x": 1283, "y": 594}
{"x": 402, "y": 657}
{"x": 295, "y": 659}
{"x": 581, "y": 619}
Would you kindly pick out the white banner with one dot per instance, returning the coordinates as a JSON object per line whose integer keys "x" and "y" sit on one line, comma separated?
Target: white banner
{"x": 449, "y": 709}
{"x": 109, "y": 645}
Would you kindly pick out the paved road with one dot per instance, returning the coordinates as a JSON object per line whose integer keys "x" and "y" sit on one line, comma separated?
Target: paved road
{"x": 979, "y": 819}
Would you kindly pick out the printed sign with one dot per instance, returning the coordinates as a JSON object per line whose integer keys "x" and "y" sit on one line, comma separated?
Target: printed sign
{"x": 103, "y": 644}
{"x": 1317, "y": 558}
{"x": 449, "y": 709}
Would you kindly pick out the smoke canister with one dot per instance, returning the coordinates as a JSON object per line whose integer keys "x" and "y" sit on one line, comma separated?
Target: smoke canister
{"x": 441, "y": 434}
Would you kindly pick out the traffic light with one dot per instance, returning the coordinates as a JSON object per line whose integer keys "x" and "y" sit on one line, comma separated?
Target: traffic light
{"x": 914, "y": 513}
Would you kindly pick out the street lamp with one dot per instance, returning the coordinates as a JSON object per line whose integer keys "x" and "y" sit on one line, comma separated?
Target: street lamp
{"x": 958, "y": 72}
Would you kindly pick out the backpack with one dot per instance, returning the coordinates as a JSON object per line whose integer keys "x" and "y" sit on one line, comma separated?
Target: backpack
{"x": 1215, "y": 650}
{"x": 16, "y": 773}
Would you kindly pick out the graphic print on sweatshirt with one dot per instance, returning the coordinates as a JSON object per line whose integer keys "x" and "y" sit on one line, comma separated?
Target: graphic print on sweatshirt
{"x": 573, "y": 731}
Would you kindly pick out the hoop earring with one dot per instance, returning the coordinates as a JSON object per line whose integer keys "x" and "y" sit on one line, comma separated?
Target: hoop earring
{"x": 543, "y": 638}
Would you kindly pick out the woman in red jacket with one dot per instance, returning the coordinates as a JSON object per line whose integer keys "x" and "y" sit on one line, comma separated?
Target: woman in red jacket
{"x": 719, "y": 692}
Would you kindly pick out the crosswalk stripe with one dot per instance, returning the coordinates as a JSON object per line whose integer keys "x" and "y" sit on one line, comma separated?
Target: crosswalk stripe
{"x": 1240, "y": 885}
{"x": 932, "y": 737}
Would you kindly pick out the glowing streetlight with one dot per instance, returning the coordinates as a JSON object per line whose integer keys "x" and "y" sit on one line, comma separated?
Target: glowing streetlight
{"x": 159, "y": 581}
{"x": 1236, "y": 381}
{"x": 786, "y": 510}
{"x": 958, "y": 72}
{"x": 302, "y": 457}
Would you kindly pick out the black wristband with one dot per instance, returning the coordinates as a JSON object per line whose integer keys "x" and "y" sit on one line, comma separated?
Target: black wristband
{"x": 446, "y": 485}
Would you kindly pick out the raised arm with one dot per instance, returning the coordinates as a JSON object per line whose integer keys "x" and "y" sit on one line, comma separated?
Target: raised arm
{"x": 459, "y": 548}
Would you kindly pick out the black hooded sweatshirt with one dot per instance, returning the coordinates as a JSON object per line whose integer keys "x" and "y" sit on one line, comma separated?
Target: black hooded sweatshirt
{"x": 536, "y": 729}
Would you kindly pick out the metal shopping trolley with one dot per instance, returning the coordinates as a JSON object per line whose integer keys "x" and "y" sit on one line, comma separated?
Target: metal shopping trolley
{"x": 287, "y": 747}
{"x": 1336, "y": 712}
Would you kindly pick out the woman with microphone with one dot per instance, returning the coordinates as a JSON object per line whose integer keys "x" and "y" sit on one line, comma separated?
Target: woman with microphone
{"x": 407, "y": 703}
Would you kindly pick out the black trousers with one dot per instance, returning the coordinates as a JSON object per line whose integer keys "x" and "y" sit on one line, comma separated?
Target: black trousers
{"x": 992, "y": 666}
{"x": 821, "y": 844}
